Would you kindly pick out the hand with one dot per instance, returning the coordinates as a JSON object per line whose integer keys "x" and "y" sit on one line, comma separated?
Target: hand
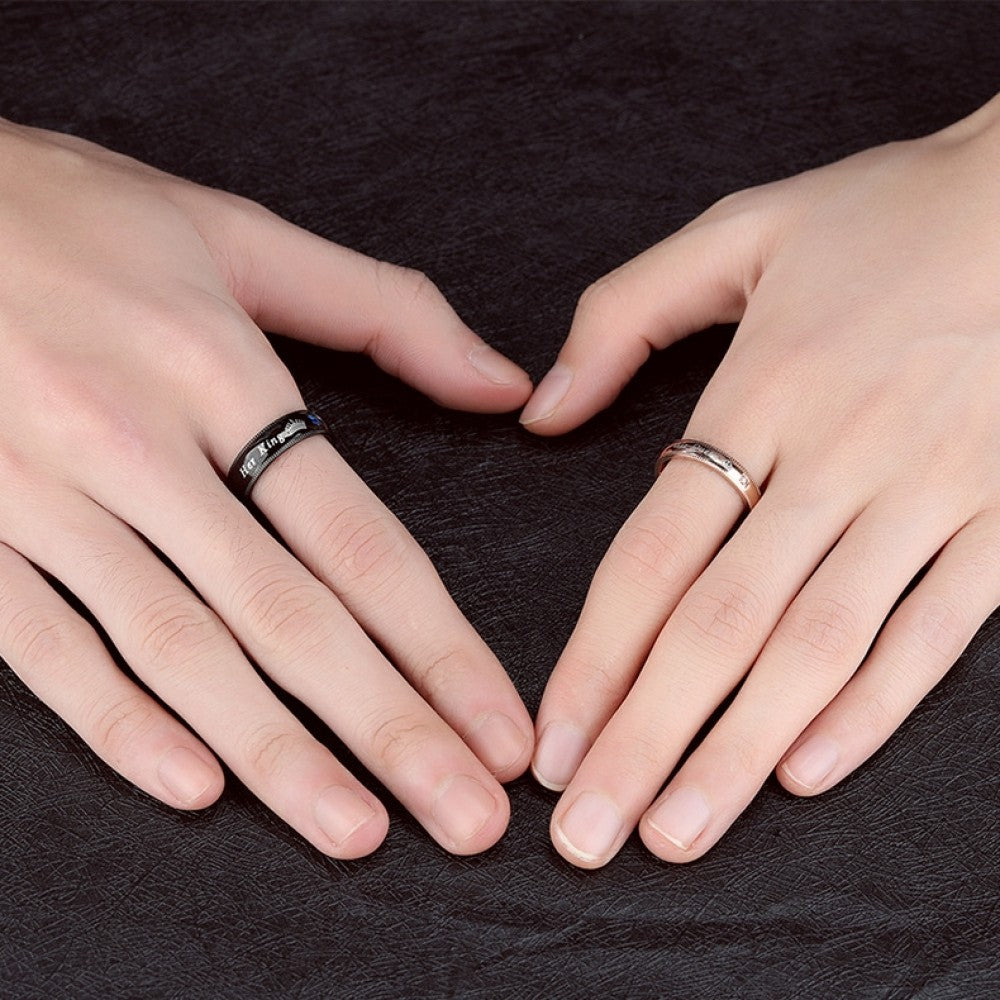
{"x": 134, "y": 368}
{"x": 862, "y": 391}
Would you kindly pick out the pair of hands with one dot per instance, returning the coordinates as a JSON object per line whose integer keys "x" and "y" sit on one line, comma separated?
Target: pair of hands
{"x": 860, "y": 390}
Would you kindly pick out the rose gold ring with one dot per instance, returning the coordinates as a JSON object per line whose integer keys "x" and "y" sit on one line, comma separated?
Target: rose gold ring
{"x": 698, "y": 451}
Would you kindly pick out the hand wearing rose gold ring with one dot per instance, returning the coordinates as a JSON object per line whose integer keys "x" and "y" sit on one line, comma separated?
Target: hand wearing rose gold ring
{"x": 862, "y": 387}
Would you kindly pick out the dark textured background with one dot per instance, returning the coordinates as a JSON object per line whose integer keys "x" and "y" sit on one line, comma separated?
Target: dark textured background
{"x": 515, "y": 153}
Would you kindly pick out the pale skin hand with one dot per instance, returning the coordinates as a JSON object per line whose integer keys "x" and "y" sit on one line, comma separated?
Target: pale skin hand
{"x": 862, "y": 390}
{"x": 133, "y": 369}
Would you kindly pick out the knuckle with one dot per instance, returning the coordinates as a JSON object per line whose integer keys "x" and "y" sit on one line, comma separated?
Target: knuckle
{"x": 640, "y": 756}
{"x": 411, "y": 286}
{"x": 733, "y": 203}
{"x": 939, "y": 628}
{"x": 418, "y": 286}
{"x": 826, "y": 628}
{"x": 41, "y": 642}
{"x": 359, "y": 544}
{"x": 201, "y": 346}
{"x": 601, "y": 300}
{"x": 271, "y": 749}
{"x": 443, "y": 672}
{"x": 283, "y": 611}
{"x": 247, "y": 208}
{"x": 87, "y": 410}
{"x": 399, "y": 739}
{"x": 118, "y": 725}
{"x": 652, "y": 552}
{"x": 604, "y": 680}
{"x": 744, "y": 757}
{"x": 879, "y": 714}
{"x": 727, "y": 617}
{"x": 174, "y": 629}
{"x": 217, "y": 345}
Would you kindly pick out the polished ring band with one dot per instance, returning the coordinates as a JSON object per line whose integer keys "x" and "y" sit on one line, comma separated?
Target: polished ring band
{"x": 263, "y": 448}
{"x": 698, "y": 451}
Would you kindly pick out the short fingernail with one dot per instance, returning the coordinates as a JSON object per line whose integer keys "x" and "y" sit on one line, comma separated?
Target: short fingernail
{"x": 561, "y": 748}
{"x": 590, "y": 827}
{"x": 813, "y": 762}
{"x": 340, "y": 811}
{"x": 462, "y": 807}
{"x": 548, "y": 394}
{"x": 493, "y": 366}
{"x": 681, "y": 816}
{"x": 497, "y": 741}
{"x": 185, "y": 775}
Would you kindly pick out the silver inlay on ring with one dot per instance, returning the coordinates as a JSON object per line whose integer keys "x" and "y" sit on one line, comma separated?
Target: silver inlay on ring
{"x": 736, "y": 475}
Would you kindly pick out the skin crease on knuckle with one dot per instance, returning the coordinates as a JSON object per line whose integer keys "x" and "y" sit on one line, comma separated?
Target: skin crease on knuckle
{"x": 652, "y": 551}
{"x": 272, "y": 750}
{"x": 360, "y": 545}
{"x": 727, "y": 618}
{"x": 175, "y": 629}
{"x": 287, "y": 613}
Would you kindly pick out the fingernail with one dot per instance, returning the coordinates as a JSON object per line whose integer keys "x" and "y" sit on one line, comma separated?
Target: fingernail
{"x": 339, "y": 811}
{"x": 548, "y": 394}
{"x": 681, "y": 817}
{"x": 462, "y": 807}
{"x": 493, "y": 366}
{"x": 813, "y": 761}
{"x": 185, "y": 775}
{"x": 497, "y": 741}
{"x": 561, "y": 748}
{"x": 590, "y": 826}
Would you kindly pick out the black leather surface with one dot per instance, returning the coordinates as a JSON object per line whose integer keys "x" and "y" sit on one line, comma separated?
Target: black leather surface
{"x": 514, "y": 153}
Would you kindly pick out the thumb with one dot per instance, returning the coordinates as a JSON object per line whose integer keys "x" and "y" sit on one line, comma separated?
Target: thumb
{"x": 293, "y": 282}
{"x": 701, "y": 275}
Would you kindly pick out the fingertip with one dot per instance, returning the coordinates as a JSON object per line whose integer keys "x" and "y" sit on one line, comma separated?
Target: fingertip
{"x": 469, "y": 816}
{"x": 540, "y": 414}
{"x": 664, "y": 848}
{"x": 794, "y": 785}
{"x": 560, "y": 750}
{"x": 497, "y": 369}
{"x": 478, "y": 379}
{"x": 352, "y": 823}
{"x": 548, "y": 785}
{"x": 568, "y": 851}
{"x": 570, "y": 394}
{"x": 502, "y": 744}
{"x": 364, "y": 841}
{"x": 190, "y": 778}
{"x": 808, "y": 769}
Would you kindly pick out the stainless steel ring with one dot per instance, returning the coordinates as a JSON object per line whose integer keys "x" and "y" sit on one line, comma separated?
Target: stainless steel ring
{"x": 264, "y": 447}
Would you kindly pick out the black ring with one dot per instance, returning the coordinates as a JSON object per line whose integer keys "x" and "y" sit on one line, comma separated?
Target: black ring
{"x": 263, "y": 448}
